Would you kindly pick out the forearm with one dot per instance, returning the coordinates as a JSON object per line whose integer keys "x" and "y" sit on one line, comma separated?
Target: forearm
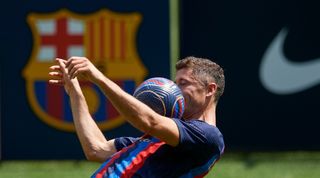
{"x": 134, "y": 111}
{"x": 137, "y": 113}
{"x": 93, "y": 142}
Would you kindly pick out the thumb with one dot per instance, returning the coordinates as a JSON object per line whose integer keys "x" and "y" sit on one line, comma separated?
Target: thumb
{"x": 62, "y": 65}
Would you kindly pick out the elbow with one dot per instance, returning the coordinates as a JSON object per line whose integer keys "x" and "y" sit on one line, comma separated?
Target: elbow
{"x": 99, "y": 152}
{"x": 94, "y": 155}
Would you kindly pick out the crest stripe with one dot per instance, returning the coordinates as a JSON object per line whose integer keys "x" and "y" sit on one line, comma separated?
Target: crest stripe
{"x": 91, "y": 40}
{"x": 55, "y": 101}
{"x": 102, "y": 45}
{"x": 111, "y": 110}
{"x": 112, "y": 39}
{"x": 122, "y": 41}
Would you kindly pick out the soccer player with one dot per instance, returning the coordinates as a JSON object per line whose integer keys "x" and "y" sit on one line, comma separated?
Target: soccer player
{"x": 186, "y": 147}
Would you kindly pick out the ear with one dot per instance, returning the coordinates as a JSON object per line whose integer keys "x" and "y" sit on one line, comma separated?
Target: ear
{"x": 211, "y": 89}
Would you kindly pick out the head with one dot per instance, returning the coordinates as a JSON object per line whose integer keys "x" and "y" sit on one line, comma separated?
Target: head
{"x": 201, "y": 81}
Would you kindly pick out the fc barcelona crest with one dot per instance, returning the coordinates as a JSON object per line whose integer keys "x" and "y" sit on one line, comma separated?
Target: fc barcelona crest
{"x": 107, "y": 38}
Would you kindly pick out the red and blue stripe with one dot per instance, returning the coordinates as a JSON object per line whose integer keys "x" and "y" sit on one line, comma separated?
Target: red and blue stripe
{"x": 129, "y": 160}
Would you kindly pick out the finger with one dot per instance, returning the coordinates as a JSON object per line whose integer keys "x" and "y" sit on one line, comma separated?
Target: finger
{"x": 55, "y": 67}
{"x": 72, "y": 64}
{"x": 56, "y": 82}
{"x": 61, "y": 62}
{"x": 59, "y": 74}
{"x": 62, "y": 66}
{"x": 60, "y": 59}
{"x": 78, "y": 72}
{"x": 75, "y": 69}
{"x": 70, "y": 60}
{"x": 67, "y": 63}
{"x": 75, "y": 74}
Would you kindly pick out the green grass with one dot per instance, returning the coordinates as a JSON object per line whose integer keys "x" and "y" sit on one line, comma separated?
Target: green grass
{"x": 232, "y": 165}
{"x": 47, "y": 169}
{"x": 268, "y": 165}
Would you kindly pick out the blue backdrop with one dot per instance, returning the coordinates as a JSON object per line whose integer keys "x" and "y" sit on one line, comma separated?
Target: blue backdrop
{"x": 270, "y": 51}
{"x": 24, "y": 135}
{"x": 261, "y": 112}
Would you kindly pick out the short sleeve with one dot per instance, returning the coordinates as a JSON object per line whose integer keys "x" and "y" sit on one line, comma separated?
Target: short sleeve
{"x": 196, "y": 134}
{"x": 122, "y": 142}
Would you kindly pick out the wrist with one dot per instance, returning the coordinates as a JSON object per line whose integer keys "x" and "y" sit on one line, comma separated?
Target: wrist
{"x": 74, "y": 93}
{"x": 74, "y": 89}
{"x": 98, "y": 78}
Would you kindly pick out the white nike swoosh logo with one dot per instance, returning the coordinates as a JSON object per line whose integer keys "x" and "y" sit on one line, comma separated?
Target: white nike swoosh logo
{"x": 281, "y": 76}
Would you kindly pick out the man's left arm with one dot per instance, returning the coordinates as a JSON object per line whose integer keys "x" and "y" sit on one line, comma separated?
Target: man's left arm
{"x": 134, "y": 111}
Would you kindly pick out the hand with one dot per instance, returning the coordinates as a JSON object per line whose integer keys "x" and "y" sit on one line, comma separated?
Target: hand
{"x": 60, "y": 76}
{"x": 83, "y": 67}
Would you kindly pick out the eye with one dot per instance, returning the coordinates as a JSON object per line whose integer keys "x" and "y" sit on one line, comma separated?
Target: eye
{"x": 182, "y": 83}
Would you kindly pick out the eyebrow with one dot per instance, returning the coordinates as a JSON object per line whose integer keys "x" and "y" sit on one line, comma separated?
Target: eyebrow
{"x": 182, "y": 80}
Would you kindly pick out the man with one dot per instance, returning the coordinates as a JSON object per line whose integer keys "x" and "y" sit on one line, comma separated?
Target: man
{"x": 185, "y": 147}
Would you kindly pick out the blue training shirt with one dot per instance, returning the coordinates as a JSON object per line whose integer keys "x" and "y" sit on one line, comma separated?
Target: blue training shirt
{"x": 200, "y": 146}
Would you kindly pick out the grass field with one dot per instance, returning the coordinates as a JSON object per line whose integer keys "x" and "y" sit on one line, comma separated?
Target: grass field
{"x": 232, "y": 165}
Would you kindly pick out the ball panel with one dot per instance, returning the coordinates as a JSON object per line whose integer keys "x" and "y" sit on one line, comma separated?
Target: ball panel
{"x": 153, "y": 100}
{"x": 177, "y": 109}
{"x": 162, "y": 95}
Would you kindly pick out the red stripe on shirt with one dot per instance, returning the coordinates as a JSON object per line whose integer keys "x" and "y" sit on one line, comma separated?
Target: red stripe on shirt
{"x": 104, "y": 170}
{"x": 137, "y": 163}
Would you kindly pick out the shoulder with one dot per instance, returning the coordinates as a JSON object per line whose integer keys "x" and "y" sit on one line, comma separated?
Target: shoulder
{"x": 199, "y": 126}
{"x": 200, "y": 133}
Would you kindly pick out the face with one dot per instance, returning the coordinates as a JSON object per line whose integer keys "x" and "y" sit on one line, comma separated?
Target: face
{"x": 193, "y": 91}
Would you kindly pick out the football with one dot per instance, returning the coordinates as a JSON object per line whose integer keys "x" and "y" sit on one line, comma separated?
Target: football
{"x": 162, "y": 95}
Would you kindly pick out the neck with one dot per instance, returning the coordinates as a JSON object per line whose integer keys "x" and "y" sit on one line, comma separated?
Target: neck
{"x": 207, "y": 115}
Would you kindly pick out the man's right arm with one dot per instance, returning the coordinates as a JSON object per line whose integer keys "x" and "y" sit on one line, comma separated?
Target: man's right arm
{"x": 94, "y": 144}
